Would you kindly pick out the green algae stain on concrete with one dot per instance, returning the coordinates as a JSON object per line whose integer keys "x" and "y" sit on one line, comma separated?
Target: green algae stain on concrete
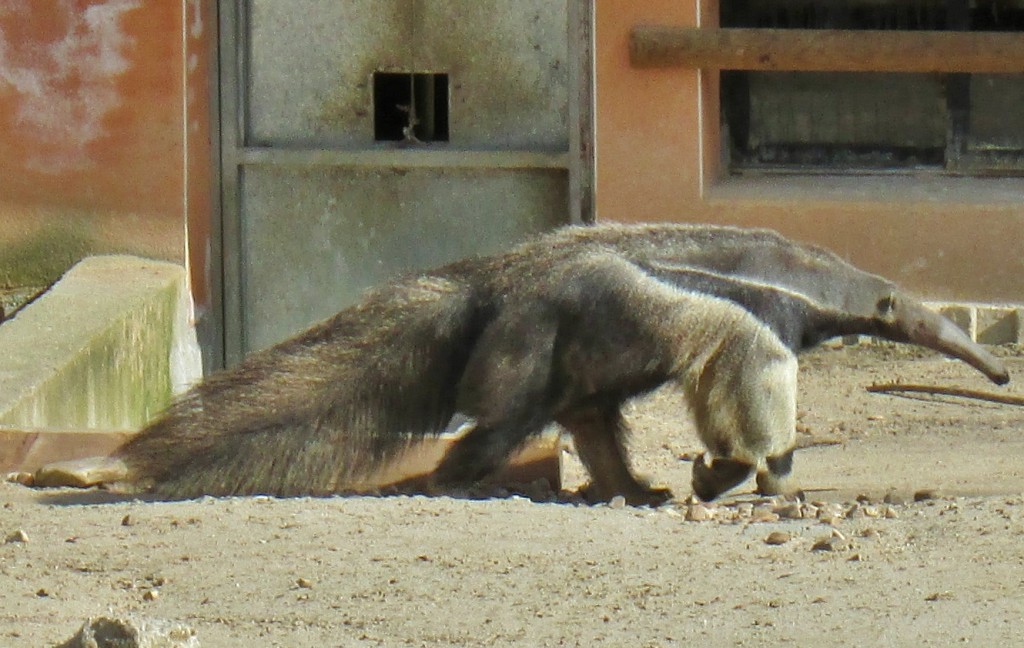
{"x": 100, "y": 350}
{"x": 42, "y": 257}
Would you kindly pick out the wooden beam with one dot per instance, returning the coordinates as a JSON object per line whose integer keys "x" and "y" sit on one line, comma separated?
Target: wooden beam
{"x": 806, "y": 50}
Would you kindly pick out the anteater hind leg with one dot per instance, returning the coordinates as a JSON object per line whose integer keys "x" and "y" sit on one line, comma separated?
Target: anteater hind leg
{"x": 482, "y": 451}
{"x": 600, "y": 436}
{"x": 506, "y": 388}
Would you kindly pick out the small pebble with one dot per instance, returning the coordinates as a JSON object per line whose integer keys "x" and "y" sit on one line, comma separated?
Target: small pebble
{"x": 871, "y": 511}
{"x": 17, "y": 536}
{"x": 763, "y": 516}
{"x": 939, "y": 596}
{"x": 823, "y": 544}
{"x": 127, "y": 520}
{"x": 789, "y": 511}
{"x": 699, "y": 513}
{"x": 151, "y": 595}
{"x": 778, "y": 538}
{"x": 892, "y": 497}
{"x": 23, "y": 478}
{"x": 304, "y": 583}
{"x": 617, "y": 502}
{"x": 890, "y": 513}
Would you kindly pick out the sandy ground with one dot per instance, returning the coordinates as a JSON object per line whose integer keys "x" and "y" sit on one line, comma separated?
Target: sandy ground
{"x": 417, "y": 571}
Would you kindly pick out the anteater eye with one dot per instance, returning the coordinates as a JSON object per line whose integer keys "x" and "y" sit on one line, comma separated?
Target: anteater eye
{"x": 886, "y": 304}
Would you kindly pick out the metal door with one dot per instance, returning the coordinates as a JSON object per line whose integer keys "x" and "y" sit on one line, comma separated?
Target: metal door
{"x": 316, "y": 208}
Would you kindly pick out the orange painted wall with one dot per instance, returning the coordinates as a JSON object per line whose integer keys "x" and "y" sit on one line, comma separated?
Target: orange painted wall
{"x": 95, "y": 96}
{"x": 647, "y": 141}
{"x": 658, "y": 159}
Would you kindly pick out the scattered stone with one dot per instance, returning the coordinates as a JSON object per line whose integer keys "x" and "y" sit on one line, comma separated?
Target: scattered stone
{"x": 42, "y": 593}
{"x": 892, "y": 497}
{"x": 829, "y": 509}
{"x": 811, "y": 511}
{"x": 763, "y": 517}
{"x": 151, "y": 595}
{"x": 789, "y": 511}
{"x": 824, "y": 544}
{"x": 863, "y": 498}
{"x": 939, "y": 596}
{"x": 127, "y": 520}
{"x": 871, "y": 511}
{"x": 16, "y": 537}
{"x": 23, "y": 478}
{"x": 699, "y": 513}
{"x": 304, "y": 583}
{"x": 869, "y": 532}
{"x": 132, "y": 632}
{"x": 617, "y": 502}
{"x": 925, "y": 494}
{"x": 81, "y": 473}
{"x": 890, "y": 513}
{"x": 854, "y": 558}
{"x": 778, "y": 538}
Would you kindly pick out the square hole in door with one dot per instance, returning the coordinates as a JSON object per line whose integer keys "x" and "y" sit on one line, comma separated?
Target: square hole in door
{"x": 410, "y": 105}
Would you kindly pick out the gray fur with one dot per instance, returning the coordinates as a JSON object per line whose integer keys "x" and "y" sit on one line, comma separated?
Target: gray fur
{"x": 565, "y": 328}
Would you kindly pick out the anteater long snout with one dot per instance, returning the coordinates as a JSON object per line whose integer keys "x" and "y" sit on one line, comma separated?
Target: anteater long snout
{"x": 930, "y": 329}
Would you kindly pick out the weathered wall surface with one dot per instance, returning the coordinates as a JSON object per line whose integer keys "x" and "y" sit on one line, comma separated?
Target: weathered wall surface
{"x": 101, "y": 104}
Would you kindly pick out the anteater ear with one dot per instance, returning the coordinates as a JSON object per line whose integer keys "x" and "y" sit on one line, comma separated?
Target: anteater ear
{"x": 885, "y": 305}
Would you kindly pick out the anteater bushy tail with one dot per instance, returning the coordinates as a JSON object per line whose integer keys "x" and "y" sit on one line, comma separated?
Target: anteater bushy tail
{"x": 320, "y": 410}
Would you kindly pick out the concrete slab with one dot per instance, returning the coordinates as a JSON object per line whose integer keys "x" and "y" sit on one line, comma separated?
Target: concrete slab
{"x": 106, "y": 347}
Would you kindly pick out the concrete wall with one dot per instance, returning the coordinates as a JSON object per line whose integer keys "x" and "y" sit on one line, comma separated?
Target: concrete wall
{"x": 106, "y": 348}
{"x": 659, "y": 158}
{"x": 105, "y": 133}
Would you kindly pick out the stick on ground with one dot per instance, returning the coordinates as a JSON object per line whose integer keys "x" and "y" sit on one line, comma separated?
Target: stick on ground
{"x": 938, "y": 390}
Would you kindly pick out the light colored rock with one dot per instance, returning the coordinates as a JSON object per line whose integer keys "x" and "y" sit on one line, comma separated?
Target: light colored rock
{"x": 16, "y": 537}
{"x": 699, "y": 513}
{"x": 778, "y": 538}
{"x": 81, "y": 473}
{"x": 132, "y": 632}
